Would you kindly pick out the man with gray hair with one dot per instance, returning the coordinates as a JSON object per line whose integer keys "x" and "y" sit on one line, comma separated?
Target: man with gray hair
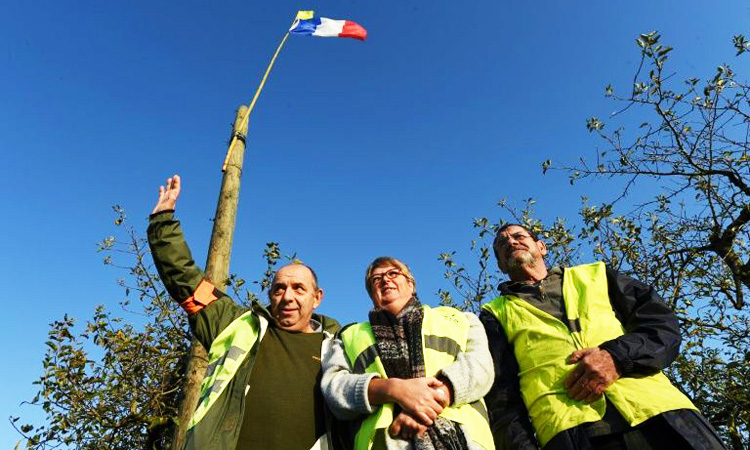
{"x": 578, "y": 354}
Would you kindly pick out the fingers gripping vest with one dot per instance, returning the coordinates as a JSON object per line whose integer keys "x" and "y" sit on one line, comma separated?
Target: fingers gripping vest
{"x": 542, "y": 345}
{"x": 444, "y": 335}
{"x": 228, "y": 352}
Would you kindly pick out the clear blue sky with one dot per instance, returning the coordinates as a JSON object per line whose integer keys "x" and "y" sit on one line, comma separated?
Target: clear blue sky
{"x": 355, "y": 150}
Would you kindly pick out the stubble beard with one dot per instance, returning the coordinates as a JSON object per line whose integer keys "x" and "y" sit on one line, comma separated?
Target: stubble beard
{"x": 518, "y": 261}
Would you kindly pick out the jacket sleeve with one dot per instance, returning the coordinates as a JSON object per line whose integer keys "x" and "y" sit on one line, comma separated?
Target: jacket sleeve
{"x": 509, "y": 419}
{"x": 471, "y": 374}
{"x": 652, "y": 333}
{"x": 210, "y": 309}
{"x": 174, "y": 262}
{"x": 345, "y": 392}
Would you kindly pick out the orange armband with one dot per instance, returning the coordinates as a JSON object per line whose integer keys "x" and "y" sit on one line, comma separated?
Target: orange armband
{"x": 202, "y": 297}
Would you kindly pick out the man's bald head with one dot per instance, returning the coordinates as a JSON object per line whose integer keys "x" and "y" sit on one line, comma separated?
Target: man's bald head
{"x": 294, "y": 294}
{"x": 312, "y": 274}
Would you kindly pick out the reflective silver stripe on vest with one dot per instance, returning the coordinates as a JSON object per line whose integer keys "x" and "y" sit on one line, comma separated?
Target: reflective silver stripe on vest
{"x": 437, "y": 343}
{"x": 216, "y": 387}
{"x": 479, "y": 407}
{"x": 364, "y": 359}
{"x": 442, "y": 344}
{"x": 233, "y": 353}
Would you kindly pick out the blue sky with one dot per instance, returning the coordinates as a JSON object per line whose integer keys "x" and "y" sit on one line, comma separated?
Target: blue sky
{"x": 355, "y": 150}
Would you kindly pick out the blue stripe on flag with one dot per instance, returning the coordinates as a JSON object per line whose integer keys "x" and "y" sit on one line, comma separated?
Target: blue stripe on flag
{"x": 306, "y": 26}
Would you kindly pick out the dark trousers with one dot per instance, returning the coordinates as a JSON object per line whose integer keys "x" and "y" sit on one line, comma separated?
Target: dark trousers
{"x": 686, "y": 430}
{"x": 653, "y": 434}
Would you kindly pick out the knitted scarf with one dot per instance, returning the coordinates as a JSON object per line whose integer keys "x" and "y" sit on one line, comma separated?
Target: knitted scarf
{"x": 399, "y": 343}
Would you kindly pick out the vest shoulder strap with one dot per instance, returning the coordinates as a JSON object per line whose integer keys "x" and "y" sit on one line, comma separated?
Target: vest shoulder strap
{"x": 227, "y": 353}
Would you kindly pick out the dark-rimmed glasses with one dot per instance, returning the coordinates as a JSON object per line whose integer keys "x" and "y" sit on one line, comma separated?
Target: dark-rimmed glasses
{"x": 503, "y": 241}
{"x": 375, "y": 280}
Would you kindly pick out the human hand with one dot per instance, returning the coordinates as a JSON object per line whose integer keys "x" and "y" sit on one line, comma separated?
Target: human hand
{"x": 168, "y": 196}
{"x": 406, "y": 427}
{"x": 596, "y": 370}
{"x": 419, "y": 397}
{"x": 445, "y": 390}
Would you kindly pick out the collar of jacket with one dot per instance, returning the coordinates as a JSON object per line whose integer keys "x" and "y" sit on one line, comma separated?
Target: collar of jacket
{"x": 512, "y": 287}
{"x": 329, "y": 324}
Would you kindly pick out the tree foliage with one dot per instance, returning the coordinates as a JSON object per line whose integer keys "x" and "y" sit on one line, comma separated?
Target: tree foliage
{"x": 680, "y": 150}
{"x": 116, "y": 383}
{"x": 113, "y": 384}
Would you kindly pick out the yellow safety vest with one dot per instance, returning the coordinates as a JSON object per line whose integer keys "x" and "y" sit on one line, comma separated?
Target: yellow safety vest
{"x": 444, "y": 335}
{"x": 542, "y": 344}
{"x": 228, "y": 351}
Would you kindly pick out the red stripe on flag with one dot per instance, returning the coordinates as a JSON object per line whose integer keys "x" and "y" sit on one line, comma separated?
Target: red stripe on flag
{"x": 353, "y": 30}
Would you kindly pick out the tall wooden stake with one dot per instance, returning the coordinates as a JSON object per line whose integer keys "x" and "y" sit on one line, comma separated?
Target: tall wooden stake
{"x": 217, "y": 267}
{"x": 220, "y": 248}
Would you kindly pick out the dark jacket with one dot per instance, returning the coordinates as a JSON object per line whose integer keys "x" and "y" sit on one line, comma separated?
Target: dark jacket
{"x": 650, "y": 343}
{"x": 220, "y": 427}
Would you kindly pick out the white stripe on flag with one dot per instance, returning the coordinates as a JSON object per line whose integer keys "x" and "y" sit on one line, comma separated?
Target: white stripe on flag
{"x": 329, "y": 27}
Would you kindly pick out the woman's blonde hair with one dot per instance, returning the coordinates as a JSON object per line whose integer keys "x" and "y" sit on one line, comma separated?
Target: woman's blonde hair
{"x": 382, "y": 261}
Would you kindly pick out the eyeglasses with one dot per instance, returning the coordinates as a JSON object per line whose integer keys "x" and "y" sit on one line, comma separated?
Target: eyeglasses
{"x": 375, "y": 280}
{"x": 503, "y": 242}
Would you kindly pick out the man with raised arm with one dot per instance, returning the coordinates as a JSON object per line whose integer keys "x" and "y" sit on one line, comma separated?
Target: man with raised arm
{"x": 579, "y": 351}
{"x": 262, "y": 386}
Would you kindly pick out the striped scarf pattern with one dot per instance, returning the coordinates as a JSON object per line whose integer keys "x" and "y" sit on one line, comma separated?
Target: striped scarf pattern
{"x": 398, "y": 340}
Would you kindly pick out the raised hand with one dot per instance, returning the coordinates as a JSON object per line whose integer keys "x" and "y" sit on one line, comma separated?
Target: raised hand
{"x": 168, "y": 196}
{"x": 595, "y": 371}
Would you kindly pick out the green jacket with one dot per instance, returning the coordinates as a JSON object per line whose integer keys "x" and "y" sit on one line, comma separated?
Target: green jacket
{"x": 220, "y": 427}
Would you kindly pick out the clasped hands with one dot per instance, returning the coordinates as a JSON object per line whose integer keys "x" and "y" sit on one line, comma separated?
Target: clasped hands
{"x": 596, "y": 370}
{"x": 421, "y": 400}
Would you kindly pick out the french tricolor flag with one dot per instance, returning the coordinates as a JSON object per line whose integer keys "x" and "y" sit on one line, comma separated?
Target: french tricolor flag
{"x": 305, "y": 23}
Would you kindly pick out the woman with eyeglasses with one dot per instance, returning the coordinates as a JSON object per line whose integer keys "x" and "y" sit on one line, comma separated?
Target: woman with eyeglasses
{"x": 413, "y": 377}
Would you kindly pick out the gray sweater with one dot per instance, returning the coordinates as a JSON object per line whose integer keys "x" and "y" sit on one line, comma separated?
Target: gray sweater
{"x": 471, "y": 376}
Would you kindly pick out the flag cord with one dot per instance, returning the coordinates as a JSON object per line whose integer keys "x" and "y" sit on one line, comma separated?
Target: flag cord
{"x": 243, "y": 124}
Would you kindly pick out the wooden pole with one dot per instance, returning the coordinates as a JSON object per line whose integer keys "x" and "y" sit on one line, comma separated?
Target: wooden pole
{"x": 217, "y": 268}
{"x": 220, "y": 248}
